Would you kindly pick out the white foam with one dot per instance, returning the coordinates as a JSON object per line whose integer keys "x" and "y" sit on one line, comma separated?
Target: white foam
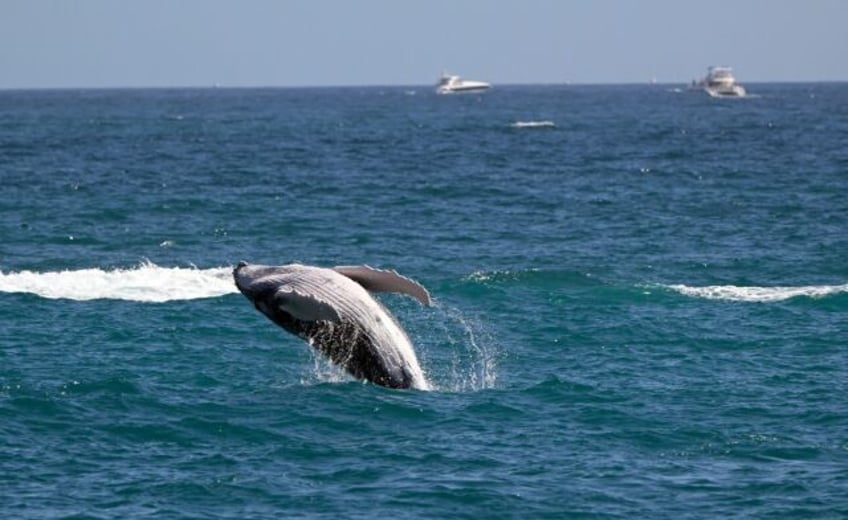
{"x": 145, "y": 283}
{"x": 533, "y": 124}
{"x": 758, "y": 294}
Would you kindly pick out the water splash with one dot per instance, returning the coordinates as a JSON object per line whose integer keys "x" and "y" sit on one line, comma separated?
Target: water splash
{"x": 146, "y": 282}
{"x": 322, "y": 370}
{"x": 466, "y": 360}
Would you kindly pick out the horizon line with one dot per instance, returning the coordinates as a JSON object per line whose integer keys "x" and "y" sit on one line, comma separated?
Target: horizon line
{"x": 398, "y": 85}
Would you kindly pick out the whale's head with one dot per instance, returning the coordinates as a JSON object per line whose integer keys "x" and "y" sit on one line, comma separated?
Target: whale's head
{"x": 257, "y": 282}
{"x": 248, "y": 279}
{"x": 284, "y": 293}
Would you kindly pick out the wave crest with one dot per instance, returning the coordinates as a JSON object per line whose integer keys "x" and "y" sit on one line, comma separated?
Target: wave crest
{"x": 758, "y": 294}
{"x": 147, "y": 282}
{"x": 533, "y": 124}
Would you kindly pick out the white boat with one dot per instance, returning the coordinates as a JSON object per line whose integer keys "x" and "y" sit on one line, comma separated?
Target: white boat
{"x": 721, "y": 83}
{"x": 449, "y": 84}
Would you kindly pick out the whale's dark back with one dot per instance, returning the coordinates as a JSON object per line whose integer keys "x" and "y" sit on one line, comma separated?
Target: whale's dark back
{"x": 347, "y": 345}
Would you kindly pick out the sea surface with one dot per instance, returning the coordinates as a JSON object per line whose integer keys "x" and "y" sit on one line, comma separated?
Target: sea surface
{"x": 640, "y": 302}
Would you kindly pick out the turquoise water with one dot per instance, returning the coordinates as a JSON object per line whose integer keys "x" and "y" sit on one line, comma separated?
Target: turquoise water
{"x": 641, "y": 302}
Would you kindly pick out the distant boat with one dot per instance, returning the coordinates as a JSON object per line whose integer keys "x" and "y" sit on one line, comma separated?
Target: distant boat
{"x": 720, "y": 82}
{"x": 449, "y": 84}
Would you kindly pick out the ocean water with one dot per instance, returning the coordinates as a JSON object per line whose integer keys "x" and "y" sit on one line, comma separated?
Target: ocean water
{"x": 640, "y": 302}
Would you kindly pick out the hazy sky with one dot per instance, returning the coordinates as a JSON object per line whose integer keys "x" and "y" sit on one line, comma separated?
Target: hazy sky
{"x": 104, "y": 43}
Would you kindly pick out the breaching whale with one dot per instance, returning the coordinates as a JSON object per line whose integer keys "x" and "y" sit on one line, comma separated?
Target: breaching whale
{"x": 332, "y": 310}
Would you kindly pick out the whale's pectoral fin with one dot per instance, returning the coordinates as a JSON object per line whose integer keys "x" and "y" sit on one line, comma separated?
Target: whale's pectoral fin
{"x": 380, "y": 280}
{"x": 304, "y": 307}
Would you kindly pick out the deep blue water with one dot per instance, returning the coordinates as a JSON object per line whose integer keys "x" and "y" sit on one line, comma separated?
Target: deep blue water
{"x": 641, "y": 302}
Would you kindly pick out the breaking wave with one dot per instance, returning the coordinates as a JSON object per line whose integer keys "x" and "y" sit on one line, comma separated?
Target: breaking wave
{"x": 758, "y": 294}
{"x": 146, "y": 282}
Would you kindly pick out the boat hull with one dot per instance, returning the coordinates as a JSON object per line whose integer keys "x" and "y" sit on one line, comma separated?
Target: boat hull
{"x": 734, "y": 91}
{"x": 462, "y": 90}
